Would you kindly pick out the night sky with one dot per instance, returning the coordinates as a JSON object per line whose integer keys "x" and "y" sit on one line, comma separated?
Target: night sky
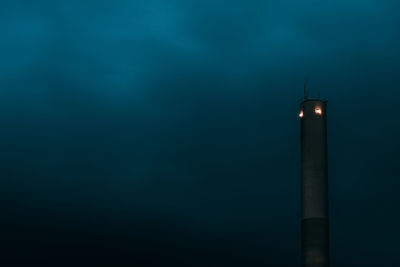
{"x": 166, "y": 133}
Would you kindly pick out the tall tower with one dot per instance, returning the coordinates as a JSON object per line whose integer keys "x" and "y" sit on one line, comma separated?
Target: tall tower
{"x": 314, "y": 183}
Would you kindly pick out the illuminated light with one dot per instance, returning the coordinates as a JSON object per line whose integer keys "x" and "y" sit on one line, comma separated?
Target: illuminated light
{"x": 301, "y": 114}
{"x": 318, "y": 111}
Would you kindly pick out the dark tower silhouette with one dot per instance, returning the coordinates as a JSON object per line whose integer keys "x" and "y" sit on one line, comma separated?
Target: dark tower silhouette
{"x": 314, "y": 183}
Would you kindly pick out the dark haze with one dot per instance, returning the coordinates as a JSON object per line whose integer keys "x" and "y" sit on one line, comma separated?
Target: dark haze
{"x": 165, "y": 133}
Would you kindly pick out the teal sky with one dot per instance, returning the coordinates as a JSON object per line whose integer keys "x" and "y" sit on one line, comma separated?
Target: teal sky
{"x": 165, "y": 133}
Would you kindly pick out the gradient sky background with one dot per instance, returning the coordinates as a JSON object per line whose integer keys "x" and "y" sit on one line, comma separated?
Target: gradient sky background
{"x": 165, "y": 133}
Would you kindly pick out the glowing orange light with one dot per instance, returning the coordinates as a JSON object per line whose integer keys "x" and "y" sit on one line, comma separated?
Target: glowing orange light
{"x": 301, "y": 114}
{"x": 318, "y": 111}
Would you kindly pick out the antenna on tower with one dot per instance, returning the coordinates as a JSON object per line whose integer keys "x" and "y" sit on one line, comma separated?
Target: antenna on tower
{"x": 319, "y": 94}
{"x": 305, "y": 88}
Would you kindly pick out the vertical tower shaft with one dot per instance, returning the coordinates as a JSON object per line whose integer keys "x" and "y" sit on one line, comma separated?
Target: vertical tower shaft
{"x": 314, "y": 184}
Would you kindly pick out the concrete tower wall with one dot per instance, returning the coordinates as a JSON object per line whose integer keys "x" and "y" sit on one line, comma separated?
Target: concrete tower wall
{"x": 314, "y": 180}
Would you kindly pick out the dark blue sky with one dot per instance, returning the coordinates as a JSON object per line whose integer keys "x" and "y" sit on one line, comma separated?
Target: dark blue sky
{"x": 165, "y": 133}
